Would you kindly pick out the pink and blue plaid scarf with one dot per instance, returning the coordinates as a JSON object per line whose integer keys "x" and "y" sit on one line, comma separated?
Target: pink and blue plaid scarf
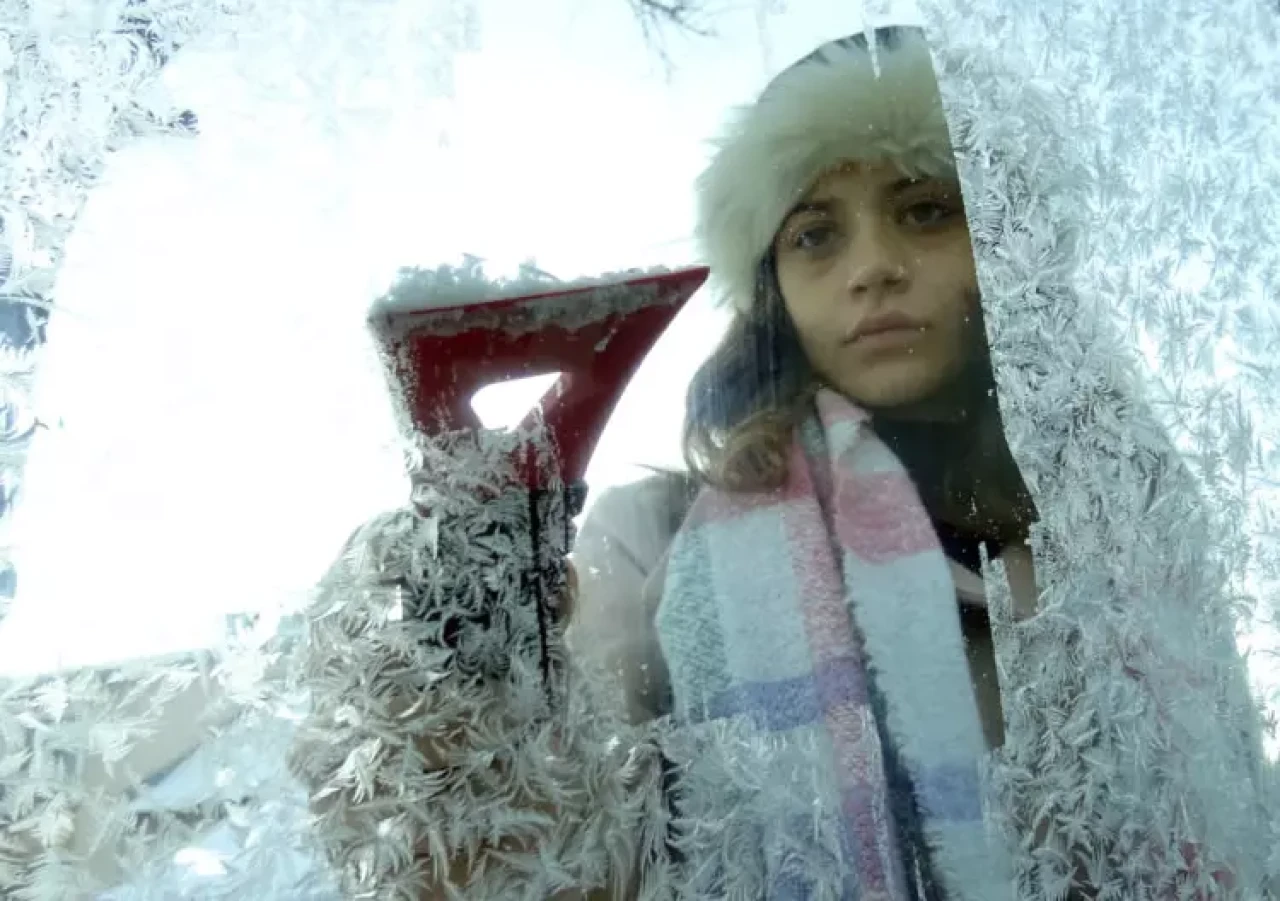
{"x": 824, "y": 614}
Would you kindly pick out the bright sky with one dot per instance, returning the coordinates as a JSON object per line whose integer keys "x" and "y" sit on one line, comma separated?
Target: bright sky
{"x": 223, "y": 424}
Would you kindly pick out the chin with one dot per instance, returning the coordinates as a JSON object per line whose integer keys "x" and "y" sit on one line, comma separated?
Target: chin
{"x": 911, "y": 394}
{"x": 908, "y": 404}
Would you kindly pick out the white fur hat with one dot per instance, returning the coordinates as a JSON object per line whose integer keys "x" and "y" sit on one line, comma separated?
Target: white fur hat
{"x": 827, "y": 109}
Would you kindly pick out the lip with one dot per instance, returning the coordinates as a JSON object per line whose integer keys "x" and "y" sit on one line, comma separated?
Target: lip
{"x": 884, "y": 324}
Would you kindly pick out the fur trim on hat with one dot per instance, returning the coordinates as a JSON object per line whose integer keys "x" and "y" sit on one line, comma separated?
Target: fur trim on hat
{"x": 826, "y": 110}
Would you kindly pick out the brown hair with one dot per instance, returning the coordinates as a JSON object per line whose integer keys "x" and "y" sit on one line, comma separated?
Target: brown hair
{"x": 746, "y": 401}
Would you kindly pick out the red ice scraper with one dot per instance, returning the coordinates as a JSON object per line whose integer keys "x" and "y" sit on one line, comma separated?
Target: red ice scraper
{"x": 445, "y": 335}
{"x": 594, "y": 334}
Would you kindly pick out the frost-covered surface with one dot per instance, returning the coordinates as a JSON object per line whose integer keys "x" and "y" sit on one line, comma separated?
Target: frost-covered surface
{"x": 442, "y": 725}
{"x": 1134, "y": 142}
{"x": 449, "y": 286}
{"x": 74, "y": 85}
{"x": 1103, "y": 148}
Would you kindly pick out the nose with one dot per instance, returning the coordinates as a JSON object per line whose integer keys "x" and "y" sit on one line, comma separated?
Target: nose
{"x": 875, "y": 265}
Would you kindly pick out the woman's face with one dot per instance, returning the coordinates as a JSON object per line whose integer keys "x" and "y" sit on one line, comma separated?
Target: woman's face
{"x": 877, "y": 274}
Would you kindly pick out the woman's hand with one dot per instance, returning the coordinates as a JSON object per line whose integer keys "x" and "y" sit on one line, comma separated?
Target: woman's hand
{"x": 432, "y": 760}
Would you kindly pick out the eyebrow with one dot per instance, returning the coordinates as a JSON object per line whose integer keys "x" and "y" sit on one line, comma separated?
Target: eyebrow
{"x": 904, "y": 184}
{"x": 820, "y": 205}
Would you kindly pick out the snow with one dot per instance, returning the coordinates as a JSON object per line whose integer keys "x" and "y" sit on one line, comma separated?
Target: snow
{"x": 419, "y": 289}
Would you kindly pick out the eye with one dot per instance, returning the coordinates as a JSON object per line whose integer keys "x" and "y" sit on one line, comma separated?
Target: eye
{"x": 813, "y": 236}
{"x": 929, "y": 212}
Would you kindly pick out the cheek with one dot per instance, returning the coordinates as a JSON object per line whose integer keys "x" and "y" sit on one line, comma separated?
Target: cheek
{"x": 951, "y": 289}
{"x": 809, "y": 307}
{"x": 958, "y": 336}
{"x": 959, "y": 314}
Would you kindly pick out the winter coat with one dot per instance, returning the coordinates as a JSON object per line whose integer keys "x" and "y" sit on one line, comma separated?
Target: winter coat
{"x": 620, "y": 558}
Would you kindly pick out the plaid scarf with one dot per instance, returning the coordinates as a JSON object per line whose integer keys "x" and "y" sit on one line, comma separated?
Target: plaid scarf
{"x": 823, "y": 614}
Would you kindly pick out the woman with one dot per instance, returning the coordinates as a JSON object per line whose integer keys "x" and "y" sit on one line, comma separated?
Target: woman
{"x": 891, "y": 322}
{"x": 804, "y": 617}
{"x": 851, "y": 271}
{"x": 855, "y": 288}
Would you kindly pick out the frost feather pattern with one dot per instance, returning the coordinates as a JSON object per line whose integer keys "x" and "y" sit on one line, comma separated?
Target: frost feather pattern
{"x": 1121, "y": 761}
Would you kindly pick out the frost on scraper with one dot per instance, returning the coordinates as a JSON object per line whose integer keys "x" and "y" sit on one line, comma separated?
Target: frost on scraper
{"x": 446, "y": 613}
